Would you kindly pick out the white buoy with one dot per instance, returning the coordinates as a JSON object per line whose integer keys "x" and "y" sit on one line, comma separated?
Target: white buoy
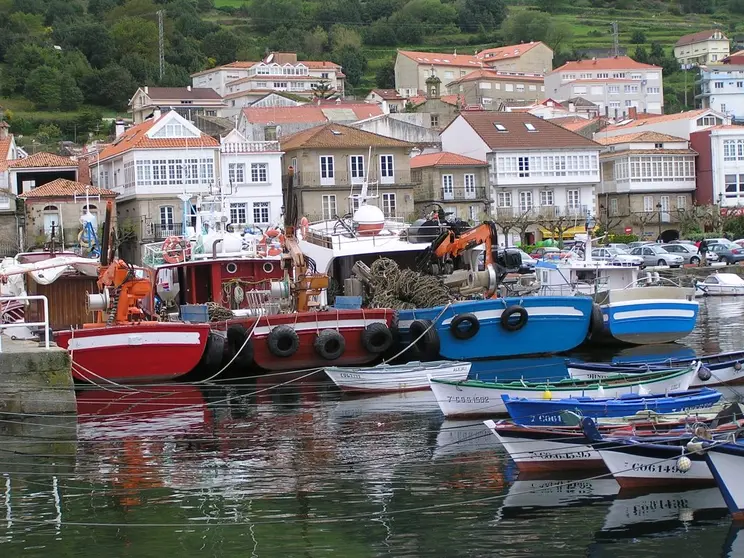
{"x": 683, "y": 464}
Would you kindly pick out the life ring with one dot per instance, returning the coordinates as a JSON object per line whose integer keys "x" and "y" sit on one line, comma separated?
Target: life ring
{"x": 596, "y": 322}
{"x": 274, "y": 251}
{"x": 472, "y": 326}
{"x": 283, "y": 341}
{"x": 506, "y": 322}
{"x": 237, "y": 339}
{"x": 175, "y": 249}
{"x": 329, "y": 344}
{"x": 304, "y": 227}
{"x": 272, "y": 232}
{"x": 428, "y": 345}
{"x": 377, "y": 338}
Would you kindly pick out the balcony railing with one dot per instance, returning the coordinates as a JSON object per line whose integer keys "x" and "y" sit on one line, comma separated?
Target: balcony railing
{"x": 158, "y": 231}
{"x": 250, "y": 147}
{"x": 462, "y": 194}
{"x": 344, "y": 179}
{"x": 542, "y": 212}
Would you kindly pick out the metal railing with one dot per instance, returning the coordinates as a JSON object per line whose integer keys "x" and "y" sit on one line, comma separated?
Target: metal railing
{"x": 343, "y": 178}
{"x": 45, "y": 323}
{"x": 161, "y": 232}
{"x": 542, "y": 211}
{"x": 250, "y": 147}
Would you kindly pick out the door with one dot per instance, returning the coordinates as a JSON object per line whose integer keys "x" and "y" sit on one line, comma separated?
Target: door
{"x": 448, "y": 188}
{"x": 356, "y": 168}
{"x": 327, "y": 171}
{"x": 665, "y": 217}
{"x": 470, "y": 186}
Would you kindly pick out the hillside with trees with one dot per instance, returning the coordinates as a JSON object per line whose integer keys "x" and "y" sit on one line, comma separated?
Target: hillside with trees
{"x": 66, "y": 64}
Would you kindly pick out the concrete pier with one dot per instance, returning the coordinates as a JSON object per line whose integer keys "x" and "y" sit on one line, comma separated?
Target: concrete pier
{"x": 686, "y": 275}
{"x": 35, "y": 380}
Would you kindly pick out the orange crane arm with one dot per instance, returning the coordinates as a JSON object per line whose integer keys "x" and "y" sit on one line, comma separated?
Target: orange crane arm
{"x": 453, "y": 245}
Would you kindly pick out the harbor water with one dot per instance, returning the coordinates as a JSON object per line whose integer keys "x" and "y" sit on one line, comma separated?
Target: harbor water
{"x": 247, "y": 469}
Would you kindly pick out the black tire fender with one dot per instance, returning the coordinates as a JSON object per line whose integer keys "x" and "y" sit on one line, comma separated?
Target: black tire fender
{"x": 211, "y": 360}
{"x": 237, "y": 339}
{"x": 471, "y": 329}
{"x": 329, "y": 344}
{"x": 377, "y": 338}
{"x": 596, "y": 322}
{"x": 428, "y": 345}
{"x": 283, "y": 341}
{"x": 506, "y": 322}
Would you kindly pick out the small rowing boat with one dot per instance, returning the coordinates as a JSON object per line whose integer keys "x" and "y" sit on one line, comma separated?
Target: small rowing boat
{"x": 400, "y": 377}
{"x": 476, "y": 398}
{"x": 549, "y": 412}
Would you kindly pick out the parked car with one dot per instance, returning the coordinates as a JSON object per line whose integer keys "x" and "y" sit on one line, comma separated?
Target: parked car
{"x": 616, "y": 256}
{"x": 619, "y": 246}
{"x": 728, "y": 252}
{"x": 540, "y": 253}
{"x": 740, "y": 242}
{"x": 682, "y": 241}
{"x": 654, "y": 254}
{"x": 638, "y": 243}
{"x": 528, "y": 263}
{"x": 688, "y": 251}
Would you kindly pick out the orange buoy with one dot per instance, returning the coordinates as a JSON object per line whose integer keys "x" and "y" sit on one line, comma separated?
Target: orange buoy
{"x": 273, "y": 251}
{"x": 272, "y": 233}
{"x": 304, "y": 226}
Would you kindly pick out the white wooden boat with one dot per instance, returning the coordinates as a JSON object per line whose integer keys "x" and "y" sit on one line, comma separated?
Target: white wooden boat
{"x": 399, "y": 377}
{"x": 557, "y": 493}
{"x": 475, "y": 398}
{"x": 720, "y": 284}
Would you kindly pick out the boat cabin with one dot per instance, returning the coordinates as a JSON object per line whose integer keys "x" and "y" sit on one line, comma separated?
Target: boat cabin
{"x": 582, "y": 277}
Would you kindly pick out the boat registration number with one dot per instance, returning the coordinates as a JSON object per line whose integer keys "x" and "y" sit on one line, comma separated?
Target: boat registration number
{"x": 465, "y": 399}
{"x": 548, "y": 456}
{"x": 350, "y": 375}
{"x": 656, "y": 467}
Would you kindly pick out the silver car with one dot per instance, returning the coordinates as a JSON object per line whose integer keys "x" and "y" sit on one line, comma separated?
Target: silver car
{"x": 654, "y": 254}
{"x": 688, "y": 251}
{"x": 615, "y": 256}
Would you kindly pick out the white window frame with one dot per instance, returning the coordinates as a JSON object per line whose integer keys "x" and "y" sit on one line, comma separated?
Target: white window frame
{"x": 526, "y": 202}
{"x": 259, "y": 173}
{"x": 469, "y": 186}
{"x": 648, "y": 204}
{"x": 573, "y": 199}
{"x": 387, "y": 169}
{"x": 547, "y": 197}
{"x": 504, "y": 199}
{"x": 327, "y": 170}
{"x": 238, "y": 213}
{"x": 448, "y": 187}
{"x": 356, "y": 169}
{"x": 263, "y": 210}
{"x": 328, "y": 207}
{"x": 389, "y": 204}
{"x": 236, "y": 173}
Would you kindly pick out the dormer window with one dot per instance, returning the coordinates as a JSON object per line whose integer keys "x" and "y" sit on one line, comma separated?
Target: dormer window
{"x": 530, "y": 127}
{"x": 658, "y": 146}
{"x": 500, "y": 127}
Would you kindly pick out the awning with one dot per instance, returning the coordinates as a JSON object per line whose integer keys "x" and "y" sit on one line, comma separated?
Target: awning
{"x": 567, "y": 234}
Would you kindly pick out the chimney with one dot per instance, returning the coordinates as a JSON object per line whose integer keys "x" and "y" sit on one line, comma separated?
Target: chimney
{"x": 4, "y": 130}
{"x": 188, "y": 88}
{"x": 147, "y": 90}
{"x": 119, "y": 127}
{"x": 156, "y": 113}
{"x": 633, "y": 113}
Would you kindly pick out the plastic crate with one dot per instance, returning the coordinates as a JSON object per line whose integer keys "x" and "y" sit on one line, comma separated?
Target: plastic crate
{"x": 195, "y": 313}
{"x": 348, "y": 302}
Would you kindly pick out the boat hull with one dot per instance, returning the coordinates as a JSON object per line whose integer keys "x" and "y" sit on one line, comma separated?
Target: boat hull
{"x": 647, "y": 321}
{"x": 654, "y": 466}
{"x": 386, "y": 379}
{"x": 545, "y": 316}
{"x": 478, "y": 399}
{"x": 140, "y": 352}
{"x": 307, "y": 325}
{"x": 726, "y": 462}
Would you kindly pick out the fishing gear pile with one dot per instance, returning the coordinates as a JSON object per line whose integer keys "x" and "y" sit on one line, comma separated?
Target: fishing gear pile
{"x": 401, "y": 289}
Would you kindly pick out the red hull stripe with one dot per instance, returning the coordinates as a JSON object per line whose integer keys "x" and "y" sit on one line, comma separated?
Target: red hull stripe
{"x": 561, "y": 464}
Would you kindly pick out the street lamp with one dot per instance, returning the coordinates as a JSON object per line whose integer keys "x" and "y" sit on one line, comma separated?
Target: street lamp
{"x": 658, "y": 208}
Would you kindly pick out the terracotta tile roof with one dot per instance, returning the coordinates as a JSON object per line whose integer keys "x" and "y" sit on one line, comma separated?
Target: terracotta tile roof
{"x": 445, "y": 159}
{"x": 42, "y": 159}
{"x": 136, "y": 138}
{"x": 63, "y": 188}
{"x": 654, "y": 119}
{"x": 237, "y": 65}
{"x": 444, "y": 59}
{"x": 337, "y": 136}
{"x": 639, "y": 137}
{"x": 697, "y": 37}
{"x": 516, "y": 136}
{"x": 508, "y": 51}
{"x": 4, "y": 148}
{"x": 573, "y": 123}
{"x": 451, "y": 99}
{"x": 615, "y": 63}
{"x": 178, "y": 93}
{"x": 325, "y": 112}
{"x": 484, "y": 73}
{"x": 388, "y": 94}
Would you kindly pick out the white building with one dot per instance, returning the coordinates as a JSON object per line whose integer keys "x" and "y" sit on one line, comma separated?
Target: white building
{"x": 704, "y": 47}
{"x": 615, "y": 85}
{"x": 647, "y": 179}
{"x": 160, "y": 168}
{"x": 722, "y": 88}
{"x": 535, "y": 167}
{"x": 187, "y": 101}
{"x": 680, "y": 125}
{"x": 279, "y": 71}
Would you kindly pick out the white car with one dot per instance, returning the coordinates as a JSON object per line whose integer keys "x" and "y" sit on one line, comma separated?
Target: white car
{"x": 616, "y": 256}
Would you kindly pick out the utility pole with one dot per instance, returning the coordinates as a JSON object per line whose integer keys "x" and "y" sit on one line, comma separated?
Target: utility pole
{"x": 615, "y": 40}
{"x": 161, "y": 44}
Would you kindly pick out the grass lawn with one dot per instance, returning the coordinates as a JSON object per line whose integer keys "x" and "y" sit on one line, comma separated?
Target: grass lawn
{"x": 230, "y": 3}
{"x": 24, "y": 108}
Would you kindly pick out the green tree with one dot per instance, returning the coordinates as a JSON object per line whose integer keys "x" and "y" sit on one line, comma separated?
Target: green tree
{"x": 353, "y": 63}
{"x": 91, "y": 38}
{"x": 385, "y": 75}
{"x": 315, "y": 42}
{"x": 28, "y": 25}
{"x": 558, "y": 34}
{"x": 222, "y": 46}
{"x": 70, "y": 95}
{"x": 474, "y": 14}
{"x": 272, "y": 14}
{"x": 134, "y": 35}
{"x": 48, "y": 133}
{"x": 432, "y": 15}
{"x": 551, "y": 6}
{"x": 99, "y": 8}
{"x": 380, "y": 9}
{"x": 736, "y": 6}
{"x": 696, "y": 6}
{"x": 333, "y": 12}
{"x": 322, "y": 89}
{"x": 342, "y": 37}
{"x": 111, "y": 86}
{"x": 285, "y": 39}
{"x": 43, "y": 88}
{"x": 638, "y": 37}
{"x": 526, "y": 26}
{"x": 144, "y": 9}
{"x": 59, "y": 11}
{"x": 640, "y": 55}
{"x": 406, "y": 25}
{"x": 380, "y": 33}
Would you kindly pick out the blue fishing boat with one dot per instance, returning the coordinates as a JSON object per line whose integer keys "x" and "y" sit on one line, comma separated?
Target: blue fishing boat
{"x": 546, "y": 412}
{"x": 631, "y": 308}
{"x": 496, "y": 328}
